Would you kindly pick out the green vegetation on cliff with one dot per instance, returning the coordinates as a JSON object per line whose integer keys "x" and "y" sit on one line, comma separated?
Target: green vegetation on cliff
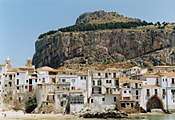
{"x": 89, "y": 27}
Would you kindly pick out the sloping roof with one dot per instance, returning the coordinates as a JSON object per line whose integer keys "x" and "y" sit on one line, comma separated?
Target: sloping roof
{"x": 168, "y": 74}
{"x": 150, "y": 86}
{"x": 122, "y": 79}
{"x": 152, "y": 75}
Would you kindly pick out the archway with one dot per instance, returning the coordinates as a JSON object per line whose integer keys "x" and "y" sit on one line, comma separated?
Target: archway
{"x": 154, "y": 103}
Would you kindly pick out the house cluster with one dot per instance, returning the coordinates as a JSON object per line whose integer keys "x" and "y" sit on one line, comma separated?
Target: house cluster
{"x": 67, "y": 90}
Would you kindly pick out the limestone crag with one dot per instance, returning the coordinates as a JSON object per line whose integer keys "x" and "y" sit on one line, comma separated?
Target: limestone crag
{"x": 141, "y": 43}
{"x": 101, "y": 46}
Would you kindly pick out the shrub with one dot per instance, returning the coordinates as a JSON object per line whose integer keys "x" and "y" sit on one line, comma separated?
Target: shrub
{"x": 31, "y": 104}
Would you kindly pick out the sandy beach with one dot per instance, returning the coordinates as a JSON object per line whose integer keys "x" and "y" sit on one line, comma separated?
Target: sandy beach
{"x": 13, "y": 115}
{"x": 19, "y": 115}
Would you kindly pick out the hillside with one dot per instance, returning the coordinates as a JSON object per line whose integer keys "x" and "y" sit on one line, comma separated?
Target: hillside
{"x": 144, "y": 44}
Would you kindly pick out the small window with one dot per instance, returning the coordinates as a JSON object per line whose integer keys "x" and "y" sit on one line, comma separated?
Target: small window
{"x": 124, "y": 91}
{"x": 92, "y": 101}
{"x": 115, "y": 99}
{"x": 35, "y": 80}
{"x": 63, "y": 80}
{"x": 103, "y": 99}
{"x": 73, "y": 88}
{"x": 81, "y": 77}
{"x": 155, "y": 91}
{"x": 123, "y": 105}
{"x": 172, "y": 80}
{"x": 99, "y": 74}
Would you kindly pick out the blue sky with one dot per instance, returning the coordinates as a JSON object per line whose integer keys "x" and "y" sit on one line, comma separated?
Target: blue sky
{"x": 22, "y": 21}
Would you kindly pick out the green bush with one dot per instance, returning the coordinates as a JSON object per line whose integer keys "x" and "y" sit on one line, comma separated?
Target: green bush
{"x": 90, "y": 27}
{"x": 31, "y": 104}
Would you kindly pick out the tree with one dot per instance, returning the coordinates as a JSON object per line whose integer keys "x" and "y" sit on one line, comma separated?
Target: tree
{"x": 31, "y": 104}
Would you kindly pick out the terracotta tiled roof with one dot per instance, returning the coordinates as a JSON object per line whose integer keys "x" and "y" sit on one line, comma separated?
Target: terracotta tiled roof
{"x": 128, "y": 80}
{"x": 150, "y": 86}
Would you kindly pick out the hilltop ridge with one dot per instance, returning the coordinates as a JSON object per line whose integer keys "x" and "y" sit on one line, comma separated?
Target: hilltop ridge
{"x": 100, "y": 17}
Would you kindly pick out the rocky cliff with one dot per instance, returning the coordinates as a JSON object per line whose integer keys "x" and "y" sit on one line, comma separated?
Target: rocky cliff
{"x": 143, "y": 45}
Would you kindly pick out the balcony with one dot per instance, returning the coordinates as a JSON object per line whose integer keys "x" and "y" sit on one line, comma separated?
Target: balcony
{"x": 63, "y": 83}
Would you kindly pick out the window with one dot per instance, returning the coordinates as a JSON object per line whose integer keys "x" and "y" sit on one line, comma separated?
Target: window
{"x": 35, "y": 80}
{"x": 173, "y": 92}
{"x": 17, "y": 73}
{"x": 99, "y": 82}
{"x": 63, "y": 80}
{"x": 116, "y": 82}
{"x": 99, "y": 74}
{"x": 147, "y": 92}
{"x": 103, "y": 99}
{"x": 93, "y": 82}
{"x": 136, "y": 85}
{"x": 155, "y": 91}
{"x": 17, "y": 81}
{"x": 115, "y": 99}
{"x": 64, "y": 95}
{"x": 106, "y": 75}
{"x": 123, "y": 105}
{"x": 99, "y": 91}
{"x": 25, "y": 87}
{"x": 157, "y": 81}
{"x": 77, "y": 100}
{"x": 26, "y": 81}
{"x": 10, "y": 83}
{"x": 73, "y": 88}
{"x": 172, "y": 80}
{"x": 30, "y": 81}
{"x": 137, "y": 92}
{"x": 114, "y": 75}
{"x": 137, "y": 97}
{"x": 17, "y": 88}
{"x": 92, "y": 101}
{"x": 92, "y": 90}
{"x": 163, "y": 92}
{"x": 163, "y": 97}
{"x": 43, "y": 81}
{"x": 81, "y": 77}
{"x": 124, "y": 91}
{"x": 110, "y": 81}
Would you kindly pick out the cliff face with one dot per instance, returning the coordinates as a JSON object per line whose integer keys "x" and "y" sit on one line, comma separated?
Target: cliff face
{"x": 100, "y": 46}
{"x": 141, "y": 44}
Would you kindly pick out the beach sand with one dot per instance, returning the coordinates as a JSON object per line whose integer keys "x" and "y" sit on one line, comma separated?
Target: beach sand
{"x": 13, "y": 115}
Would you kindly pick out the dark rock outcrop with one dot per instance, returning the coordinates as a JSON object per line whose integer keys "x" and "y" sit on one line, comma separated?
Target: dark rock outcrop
{"x": 106, "y": 114}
